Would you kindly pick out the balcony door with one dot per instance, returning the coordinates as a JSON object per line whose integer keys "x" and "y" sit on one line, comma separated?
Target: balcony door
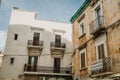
{"x": 101, "y": 51}
{"x": 57, "y": 40}
{"x": 99, "y": 15}
{"x": 98, "y": 12}
{"x": 32, "y": 63}
{"x": 56, "y": 65}
{"x": 36, "y": 38}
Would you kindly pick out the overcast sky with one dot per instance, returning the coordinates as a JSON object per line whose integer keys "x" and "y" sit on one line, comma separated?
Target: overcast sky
{"x": 55, "y": 10}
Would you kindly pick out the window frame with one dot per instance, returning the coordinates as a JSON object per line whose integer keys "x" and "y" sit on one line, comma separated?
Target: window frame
{"x": 81, "y": 28}
{"x": 12, "y": 59}
{"x": 83, "y": 51}
{"x": 101, "y": 40}
{"x": 15, "y": 36}
{"x": 98, "y": 4}
{"x": 37, "y": 30}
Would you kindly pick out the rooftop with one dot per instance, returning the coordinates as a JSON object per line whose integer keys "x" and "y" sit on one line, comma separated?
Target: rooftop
{"x": 80, "y": 10}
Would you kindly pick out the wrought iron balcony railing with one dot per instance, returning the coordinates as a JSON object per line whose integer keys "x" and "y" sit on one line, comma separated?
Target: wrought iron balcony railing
{"x": 56, "y": 45}
{"x": 35, "y": 43}
{"x": 96, "y": 25}
{"x": 101, "y": 66}
{"x": 46, "y": 69}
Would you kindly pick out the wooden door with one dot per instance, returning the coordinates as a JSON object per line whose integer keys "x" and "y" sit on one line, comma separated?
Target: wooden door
{"x": 56, "y": 65}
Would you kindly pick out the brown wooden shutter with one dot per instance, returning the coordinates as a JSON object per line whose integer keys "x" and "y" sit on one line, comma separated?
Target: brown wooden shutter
{"x": 101, "y": 51}
{"x": 82, "y": 60}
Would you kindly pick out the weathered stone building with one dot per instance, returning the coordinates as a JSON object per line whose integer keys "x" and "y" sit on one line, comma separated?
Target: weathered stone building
{"x": 96, "y": 40}
{"x": 36, "y": 49}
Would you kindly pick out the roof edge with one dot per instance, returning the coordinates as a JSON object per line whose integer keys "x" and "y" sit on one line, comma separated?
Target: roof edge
{"x": 80, "y": 10}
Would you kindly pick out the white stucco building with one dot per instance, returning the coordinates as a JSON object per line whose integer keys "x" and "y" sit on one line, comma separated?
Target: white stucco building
{"x": 36, "y": 49}
{"x": 1, "y": 57}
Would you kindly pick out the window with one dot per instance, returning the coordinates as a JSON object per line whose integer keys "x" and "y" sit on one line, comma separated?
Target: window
{"x": 11, "y": 60}
{"x": 81, "y": 28}
{"x": 36, "y": 38}
{"x": 82, "y": 58}
{"x": 99, "y": 16}
{"x": 15, "y": 36}
{"x": 33, "y": 60}
{"x": 98, "y": 12}
{"x": 57, "y": 40}
{"x": 101, "y": 47}
{"x": 101, "y": 51}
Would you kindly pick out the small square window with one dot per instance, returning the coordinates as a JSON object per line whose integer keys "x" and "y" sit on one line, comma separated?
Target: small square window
{"x": 11, "y": 60}
{"x": 15, "y": 36}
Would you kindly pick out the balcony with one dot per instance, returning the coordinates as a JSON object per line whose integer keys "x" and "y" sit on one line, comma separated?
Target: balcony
{"x": 46, "y": 69}
{"x": 35, "y": 46}
{"x": 57, "y": 48}
{"x": 97, "y": 25}
{"x": 101, "y": 67}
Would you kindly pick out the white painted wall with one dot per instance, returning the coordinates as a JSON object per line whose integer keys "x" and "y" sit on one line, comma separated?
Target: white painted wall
{"x": 21, "y": 23}
{"x": 1, "y": 57}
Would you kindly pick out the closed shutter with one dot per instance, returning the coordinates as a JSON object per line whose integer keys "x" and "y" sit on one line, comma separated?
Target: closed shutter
{"x": 101, "y": 51}
{"x": 83, "y": 60}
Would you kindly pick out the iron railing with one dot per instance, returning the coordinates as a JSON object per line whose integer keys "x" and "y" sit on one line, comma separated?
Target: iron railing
{"x": 101, "y": 66}
{"x": 46, "y": 69}
{"x": 61, "y": 45}
{"x": 97, "y": 24}
{"x": 35, "y": 43}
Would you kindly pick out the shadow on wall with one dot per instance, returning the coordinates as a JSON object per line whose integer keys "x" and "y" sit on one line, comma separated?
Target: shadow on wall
{"x": 49, "y": 37}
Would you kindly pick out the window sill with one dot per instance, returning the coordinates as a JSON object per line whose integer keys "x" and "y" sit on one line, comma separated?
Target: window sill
{"x": 81, "y": 35}
{"x": 85, "y": 68}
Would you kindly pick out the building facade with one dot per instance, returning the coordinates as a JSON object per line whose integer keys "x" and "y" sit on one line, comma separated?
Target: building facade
{"x": 96, "y": 40}
{"x": 1, "y": 57}
{"x": 36, "y": 49}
